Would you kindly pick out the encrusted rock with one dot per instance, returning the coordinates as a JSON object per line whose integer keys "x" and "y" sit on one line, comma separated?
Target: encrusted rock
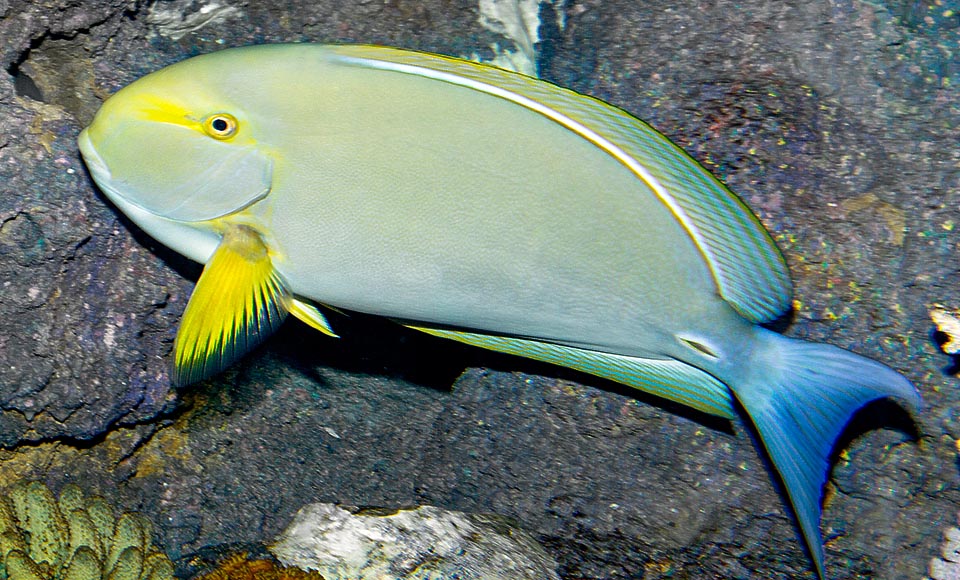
{"x": 243, "y": 567}
{"x": 948, "y": 323}
{"x": 425, "y": 543}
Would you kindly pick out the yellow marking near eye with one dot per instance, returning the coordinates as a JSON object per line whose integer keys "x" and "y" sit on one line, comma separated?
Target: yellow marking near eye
{"x": 162, "y": 111}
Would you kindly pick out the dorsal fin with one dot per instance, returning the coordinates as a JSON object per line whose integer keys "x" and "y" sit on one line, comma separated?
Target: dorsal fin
{"x": 748, "y": 268}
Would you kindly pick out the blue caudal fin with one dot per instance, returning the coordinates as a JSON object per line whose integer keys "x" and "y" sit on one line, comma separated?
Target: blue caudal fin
{"x": 800, "y": 395}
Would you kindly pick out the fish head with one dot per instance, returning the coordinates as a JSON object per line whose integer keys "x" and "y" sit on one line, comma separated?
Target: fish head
{"x": 176, "y": 150}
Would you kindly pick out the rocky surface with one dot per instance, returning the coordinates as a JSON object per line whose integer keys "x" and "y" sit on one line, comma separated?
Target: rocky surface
{"x": 837, "y": 122}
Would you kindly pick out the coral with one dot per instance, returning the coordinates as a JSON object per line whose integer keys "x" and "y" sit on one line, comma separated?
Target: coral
{"x": 74, "y": 538}
{"x": 240, "y": 567}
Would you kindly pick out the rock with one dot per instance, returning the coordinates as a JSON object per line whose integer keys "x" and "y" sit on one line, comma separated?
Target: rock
{"x": 423, "y": 543}
{"x": 947, "y": 566}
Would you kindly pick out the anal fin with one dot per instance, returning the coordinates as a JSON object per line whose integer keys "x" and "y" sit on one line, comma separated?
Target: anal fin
{"x": 669, "y": 379}
{"x": 311, "y": 316}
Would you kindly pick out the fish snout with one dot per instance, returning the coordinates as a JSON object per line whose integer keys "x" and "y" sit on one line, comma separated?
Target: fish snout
{"x": 98, "y": 168}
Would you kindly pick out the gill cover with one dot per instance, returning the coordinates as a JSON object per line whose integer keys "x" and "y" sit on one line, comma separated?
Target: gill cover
{"x": 184, "y": 175}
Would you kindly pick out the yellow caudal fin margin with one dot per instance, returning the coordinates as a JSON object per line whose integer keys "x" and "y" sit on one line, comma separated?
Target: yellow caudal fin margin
{"x": 238, "y": 301}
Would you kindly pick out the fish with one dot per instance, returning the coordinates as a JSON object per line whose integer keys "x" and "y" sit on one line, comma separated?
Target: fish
{"x": 478, "y": 205}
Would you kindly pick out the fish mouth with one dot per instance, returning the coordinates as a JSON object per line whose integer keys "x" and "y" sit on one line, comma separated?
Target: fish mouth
{"x": 98, "y": 169}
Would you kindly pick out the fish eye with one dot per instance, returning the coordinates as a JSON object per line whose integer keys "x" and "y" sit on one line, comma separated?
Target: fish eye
{"x": 220, "y": 125}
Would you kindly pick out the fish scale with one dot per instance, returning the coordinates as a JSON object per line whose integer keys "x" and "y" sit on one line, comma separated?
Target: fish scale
{"x": 718, "y": 214}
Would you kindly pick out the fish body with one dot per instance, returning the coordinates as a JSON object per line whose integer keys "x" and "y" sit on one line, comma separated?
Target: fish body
{"x": 478, "y": 205}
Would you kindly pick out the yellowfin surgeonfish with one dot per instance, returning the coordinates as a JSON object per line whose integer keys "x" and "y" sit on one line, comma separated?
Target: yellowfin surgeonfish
{"x": 479, "y": 205}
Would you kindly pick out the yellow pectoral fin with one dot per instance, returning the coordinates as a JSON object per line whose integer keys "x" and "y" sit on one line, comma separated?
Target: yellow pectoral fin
{"x": 239, "y": 300}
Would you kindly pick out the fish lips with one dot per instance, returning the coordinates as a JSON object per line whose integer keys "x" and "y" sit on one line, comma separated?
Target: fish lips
{"x": 239, "y": 178}
{"x": 98, "y": 169}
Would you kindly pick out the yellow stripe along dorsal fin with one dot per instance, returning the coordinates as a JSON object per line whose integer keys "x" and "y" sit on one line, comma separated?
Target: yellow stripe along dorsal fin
{"x": 239, "y": 300}
{"x": 749, "y": 270}
{"x": 670, "y": 379}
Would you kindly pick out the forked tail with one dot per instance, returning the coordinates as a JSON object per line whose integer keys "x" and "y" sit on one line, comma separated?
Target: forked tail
{"x": 800, "y": 395}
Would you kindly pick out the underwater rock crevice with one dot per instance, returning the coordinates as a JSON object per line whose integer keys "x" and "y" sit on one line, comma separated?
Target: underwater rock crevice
{"x": 23, "y": 85}
{"x": 57, "y": 70}
{"x": 30, "y": 30}
{"x": 74, "y": 443}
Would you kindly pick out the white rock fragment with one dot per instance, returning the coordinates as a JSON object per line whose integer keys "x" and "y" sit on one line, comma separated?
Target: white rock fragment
{"x": 947, "y": 567}
{"x": 178, "y": 18}
{"x": 425, "y": 543}
{"x": 518, "y": 21}
{"x": 950, "y": 549}
{"x": 948, "y": 322}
